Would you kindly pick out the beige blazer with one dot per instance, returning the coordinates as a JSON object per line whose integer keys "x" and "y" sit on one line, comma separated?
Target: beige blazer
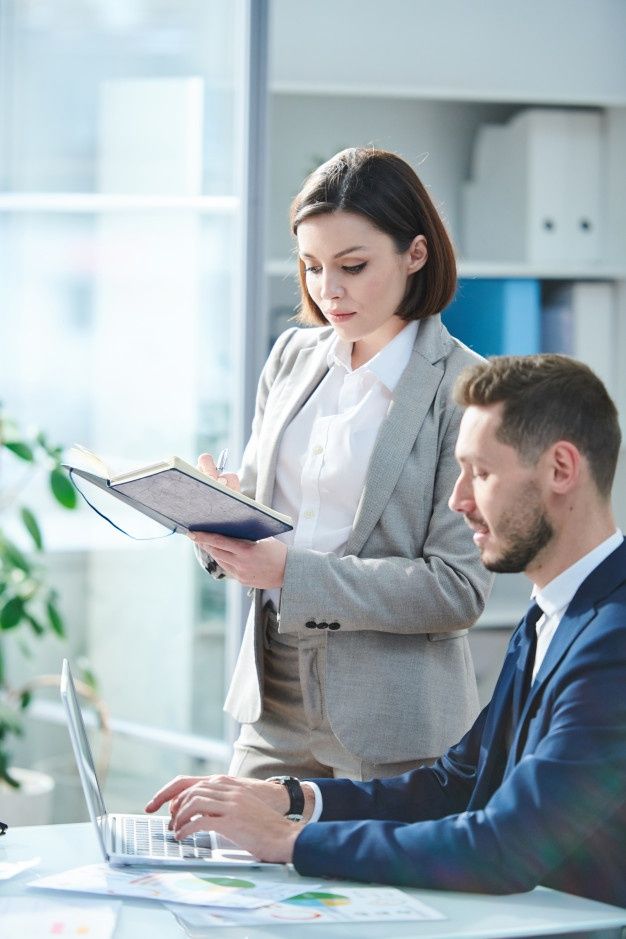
{"x": 400, "y": 681}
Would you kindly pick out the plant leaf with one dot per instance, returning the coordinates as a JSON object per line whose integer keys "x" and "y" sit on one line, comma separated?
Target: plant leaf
{"x": 12, "y": 613}
{"x": 38, "y": 629}
{"x": 86, "y": 673}
{"x": 25, "y": 699}
{"x": 56, "y": 621}
{"x": 32, "y": 526}
{"x": 5, "y": 775}
{"x": 20, "y": 449}
{"x": 14, "y": 556}
{"x": 62, "y": 489}
{"x": 9, "y": 721}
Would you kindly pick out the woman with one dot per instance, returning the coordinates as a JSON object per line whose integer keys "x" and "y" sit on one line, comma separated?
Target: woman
{"x": 355, "y": 661}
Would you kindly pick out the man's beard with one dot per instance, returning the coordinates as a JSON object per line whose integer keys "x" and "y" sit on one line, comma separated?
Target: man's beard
{"x": 527, "y": 533}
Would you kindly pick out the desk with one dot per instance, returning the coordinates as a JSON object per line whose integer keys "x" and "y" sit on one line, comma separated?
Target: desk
{"x": 542, "y": 912}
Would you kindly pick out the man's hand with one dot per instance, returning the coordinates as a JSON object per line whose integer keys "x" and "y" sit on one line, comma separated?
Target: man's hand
{"x": 253, "y": 563}
{"x": 276, "y": 797}
{"x": 247, "y": 811}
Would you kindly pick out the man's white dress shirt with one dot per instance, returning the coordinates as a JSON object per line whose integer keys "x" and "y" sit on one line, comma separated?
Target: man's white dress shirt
{"x": 556, "y": 596}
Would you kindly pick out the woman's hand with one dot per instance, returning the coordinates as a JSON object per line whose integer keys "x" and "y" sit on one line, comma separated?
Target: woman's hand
{"x": 249, "y": 812}
{"x": 253, "y": 563}
{"x": 206, "y": 464}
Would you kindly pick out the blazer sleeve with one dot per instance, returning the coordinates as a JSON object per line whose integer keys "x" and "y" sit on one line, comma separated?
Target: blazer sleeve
{"x": 566, "y": 793}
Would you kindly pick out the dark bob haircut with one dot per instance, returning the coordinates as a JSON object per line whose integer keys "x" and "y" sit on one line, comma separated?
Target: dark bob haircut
{"x": 384, "y": 189}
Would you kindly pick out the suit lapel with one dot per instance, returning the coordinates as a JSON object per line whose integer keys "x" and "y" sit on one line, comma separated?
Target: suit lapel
{"x": 412, "y": 399}
{"x": 581, "y": 611}
{"x": 496, "y": 733}
{"x": 309, "y": 369}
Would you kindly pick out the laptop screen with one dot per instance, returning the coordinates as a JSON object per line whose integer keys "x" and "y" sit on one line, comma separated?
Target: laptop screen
{"x": 82, "y": 750}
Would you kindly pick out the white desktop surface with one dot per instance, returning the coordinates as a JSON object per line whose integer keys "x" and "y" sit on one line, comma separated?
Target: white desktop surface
{"x": 541, "y": 912}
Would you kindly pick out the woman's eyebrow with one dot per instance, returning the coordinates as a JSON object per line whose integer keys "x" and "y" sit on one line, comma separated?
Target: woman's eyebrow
{"x": 339, "y": 254}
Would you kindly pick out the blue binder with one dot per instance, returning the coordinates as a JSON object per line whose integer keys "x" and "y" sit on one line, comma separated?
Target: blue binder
{"x": 497, "y": 317}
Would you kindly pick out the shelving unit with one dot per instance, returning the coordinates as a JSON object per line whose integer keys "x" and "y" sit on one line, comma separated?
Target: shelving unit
{"x": 420, "y": 80}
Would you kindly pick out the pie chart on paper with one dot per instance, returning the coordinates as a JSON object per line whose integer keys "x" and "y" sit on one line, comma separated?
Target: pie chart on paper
{"x": 318, "y": 898}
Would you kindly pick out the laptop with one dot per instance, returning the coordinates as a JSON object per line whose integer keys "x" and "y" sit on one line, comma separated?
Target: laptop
{"x": 142, "y": 840}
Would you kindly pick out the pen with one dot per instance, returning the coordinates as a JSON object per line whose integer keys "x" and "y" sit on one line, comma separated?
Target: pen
{"x": 221, "y": 461}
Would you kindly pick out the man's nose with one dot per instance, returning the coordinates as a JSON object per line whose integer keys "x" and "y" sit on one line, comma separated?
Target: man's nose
{"x": 462, "y": 498}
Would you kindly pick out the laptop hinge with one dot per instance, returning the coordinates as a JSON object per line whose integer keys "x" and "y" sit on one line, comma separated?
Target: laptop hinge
{"x": 107, "y": 826}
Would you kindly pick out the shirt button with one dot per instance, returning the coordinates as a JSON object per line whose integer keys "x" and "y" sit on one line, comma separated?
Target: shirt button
{"x": 317, "y": 450}
{"x": 309, "y": 513}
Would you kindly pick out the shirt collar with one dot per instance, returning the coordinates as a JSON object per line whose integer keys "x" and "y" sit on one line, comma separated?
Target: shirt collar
{"x": 387, "y": 365}
{"x": 556, "y": 595}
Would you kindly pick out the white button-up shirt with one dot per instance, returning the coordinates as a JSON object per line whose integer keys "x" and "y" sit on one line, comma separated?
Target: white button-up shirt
{"x": 325, "y": 451}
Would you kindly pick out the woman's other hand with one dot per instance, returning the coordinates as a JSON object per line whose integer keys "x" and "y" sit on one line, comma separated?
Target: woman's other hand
{"x": 253, "y": 563}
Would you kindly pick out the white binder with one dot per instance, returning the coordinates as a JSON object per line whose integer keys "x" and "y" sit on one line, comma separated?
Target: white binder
{"x": 535, "y": 191}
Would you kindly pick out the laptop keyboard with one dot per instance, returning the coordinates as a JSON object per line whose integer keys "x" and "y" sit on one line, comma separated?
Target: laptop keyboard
{"x": 149, "y": 837}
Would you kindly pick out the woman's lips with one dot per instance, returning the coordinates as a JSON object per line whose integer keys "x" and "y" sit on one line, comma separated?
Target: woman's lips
{"x": 339, "y": 316}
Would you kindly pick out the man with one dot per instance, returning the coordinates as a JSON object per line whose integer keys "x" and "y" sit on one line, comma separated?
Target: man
{"x": 535, "y": 793}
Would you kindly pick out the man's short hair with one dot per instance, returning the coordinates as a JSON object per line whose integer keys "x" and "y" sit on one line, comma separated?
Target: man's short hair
{"x": 547, "y": 398}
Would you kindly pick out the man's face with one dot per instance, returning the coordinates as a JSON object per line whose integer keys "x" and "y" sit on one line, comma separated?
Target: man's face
{"x": 500, "y": 496}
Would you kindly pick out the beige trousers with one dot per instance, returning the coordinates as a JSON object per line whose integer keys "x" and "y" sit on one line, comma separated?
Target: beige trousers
{"x": 293, "y": 735}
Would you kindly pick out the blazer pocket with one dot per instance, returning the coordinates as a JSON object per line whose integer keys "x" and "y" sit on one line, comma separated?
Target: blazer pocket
{"x": 440, "y": 637}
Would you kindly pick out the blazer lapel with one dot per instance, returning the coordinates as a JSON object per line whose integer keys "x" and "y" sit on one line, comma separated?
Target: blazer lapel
{"x": 310, "y": 367}
{"x": 412, "y": 399}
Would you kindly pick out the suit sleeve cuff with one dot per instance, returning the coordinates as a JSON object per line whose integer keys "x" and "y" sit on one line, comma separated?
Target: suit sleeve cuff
{"x": 319, "y": 802}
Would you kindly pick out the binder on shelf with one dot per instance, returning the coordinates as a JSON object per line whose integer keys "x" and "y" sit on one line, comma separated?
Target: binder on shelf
{"x": 578, "y": 319}
{"x": 535, "y": 189}
{"x": 497, "y": 317}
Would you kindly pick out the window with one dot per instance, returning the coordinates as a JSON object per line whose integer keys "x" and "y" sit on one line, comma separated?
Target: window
{"x": 121, "y": 180}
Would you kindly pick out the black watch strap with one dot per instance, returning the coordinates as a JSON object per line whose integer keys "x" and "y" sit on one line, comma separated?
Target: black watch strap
{"x": 296, "y": 795}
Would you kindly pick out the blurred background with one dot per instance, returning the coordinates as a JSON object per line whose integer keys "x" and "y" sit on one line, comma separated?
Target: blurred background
{"x": 149, "y": 150}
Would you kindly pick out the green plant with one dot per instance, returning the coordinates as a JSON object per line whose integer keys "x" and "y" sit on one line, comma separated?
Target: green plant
{"x": 28, "y": 602}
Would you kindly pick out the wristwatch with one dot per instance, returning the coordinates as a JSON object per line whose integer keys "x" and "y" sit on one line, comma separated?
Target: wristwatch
{"x": 296, "y": 796}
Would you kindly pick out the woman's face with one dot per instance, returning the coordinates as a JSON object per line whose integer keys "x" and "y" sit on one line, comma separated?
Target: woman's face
{"x": 356, "y": 276}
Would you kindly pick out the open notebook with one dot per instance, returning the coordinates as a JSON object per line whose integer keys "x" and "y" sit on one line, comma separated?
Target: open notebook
{"x": 180, "y": 497}
{"x": 142, "y": 840}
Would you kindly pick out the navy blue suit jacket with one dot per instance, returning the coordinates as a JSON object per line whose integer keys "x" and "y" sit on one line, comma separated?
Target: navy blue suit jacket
{"x": 548, "y": 809}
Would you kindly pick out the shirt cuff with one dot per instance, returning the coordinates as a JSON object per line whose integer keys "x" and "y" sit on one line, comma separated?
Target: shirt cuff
{"x": 319, "y": 802}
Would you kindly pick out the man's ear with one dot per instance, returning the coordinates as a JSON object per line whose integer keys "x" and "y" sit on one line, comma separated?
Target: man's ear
{"x": 418, "y": 254}
{"x": 565, "y": 464}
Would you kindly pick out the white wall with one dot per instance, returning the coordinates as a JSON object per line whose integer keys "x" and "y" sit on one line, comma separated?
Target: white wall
{"x": 557, "y": 50}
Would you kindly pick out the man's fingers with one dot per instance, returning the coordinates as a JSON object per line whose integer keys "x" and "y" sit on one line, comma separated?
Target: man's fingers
{"x": 199, "y": 806}
{"x": 173, "y": 788}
